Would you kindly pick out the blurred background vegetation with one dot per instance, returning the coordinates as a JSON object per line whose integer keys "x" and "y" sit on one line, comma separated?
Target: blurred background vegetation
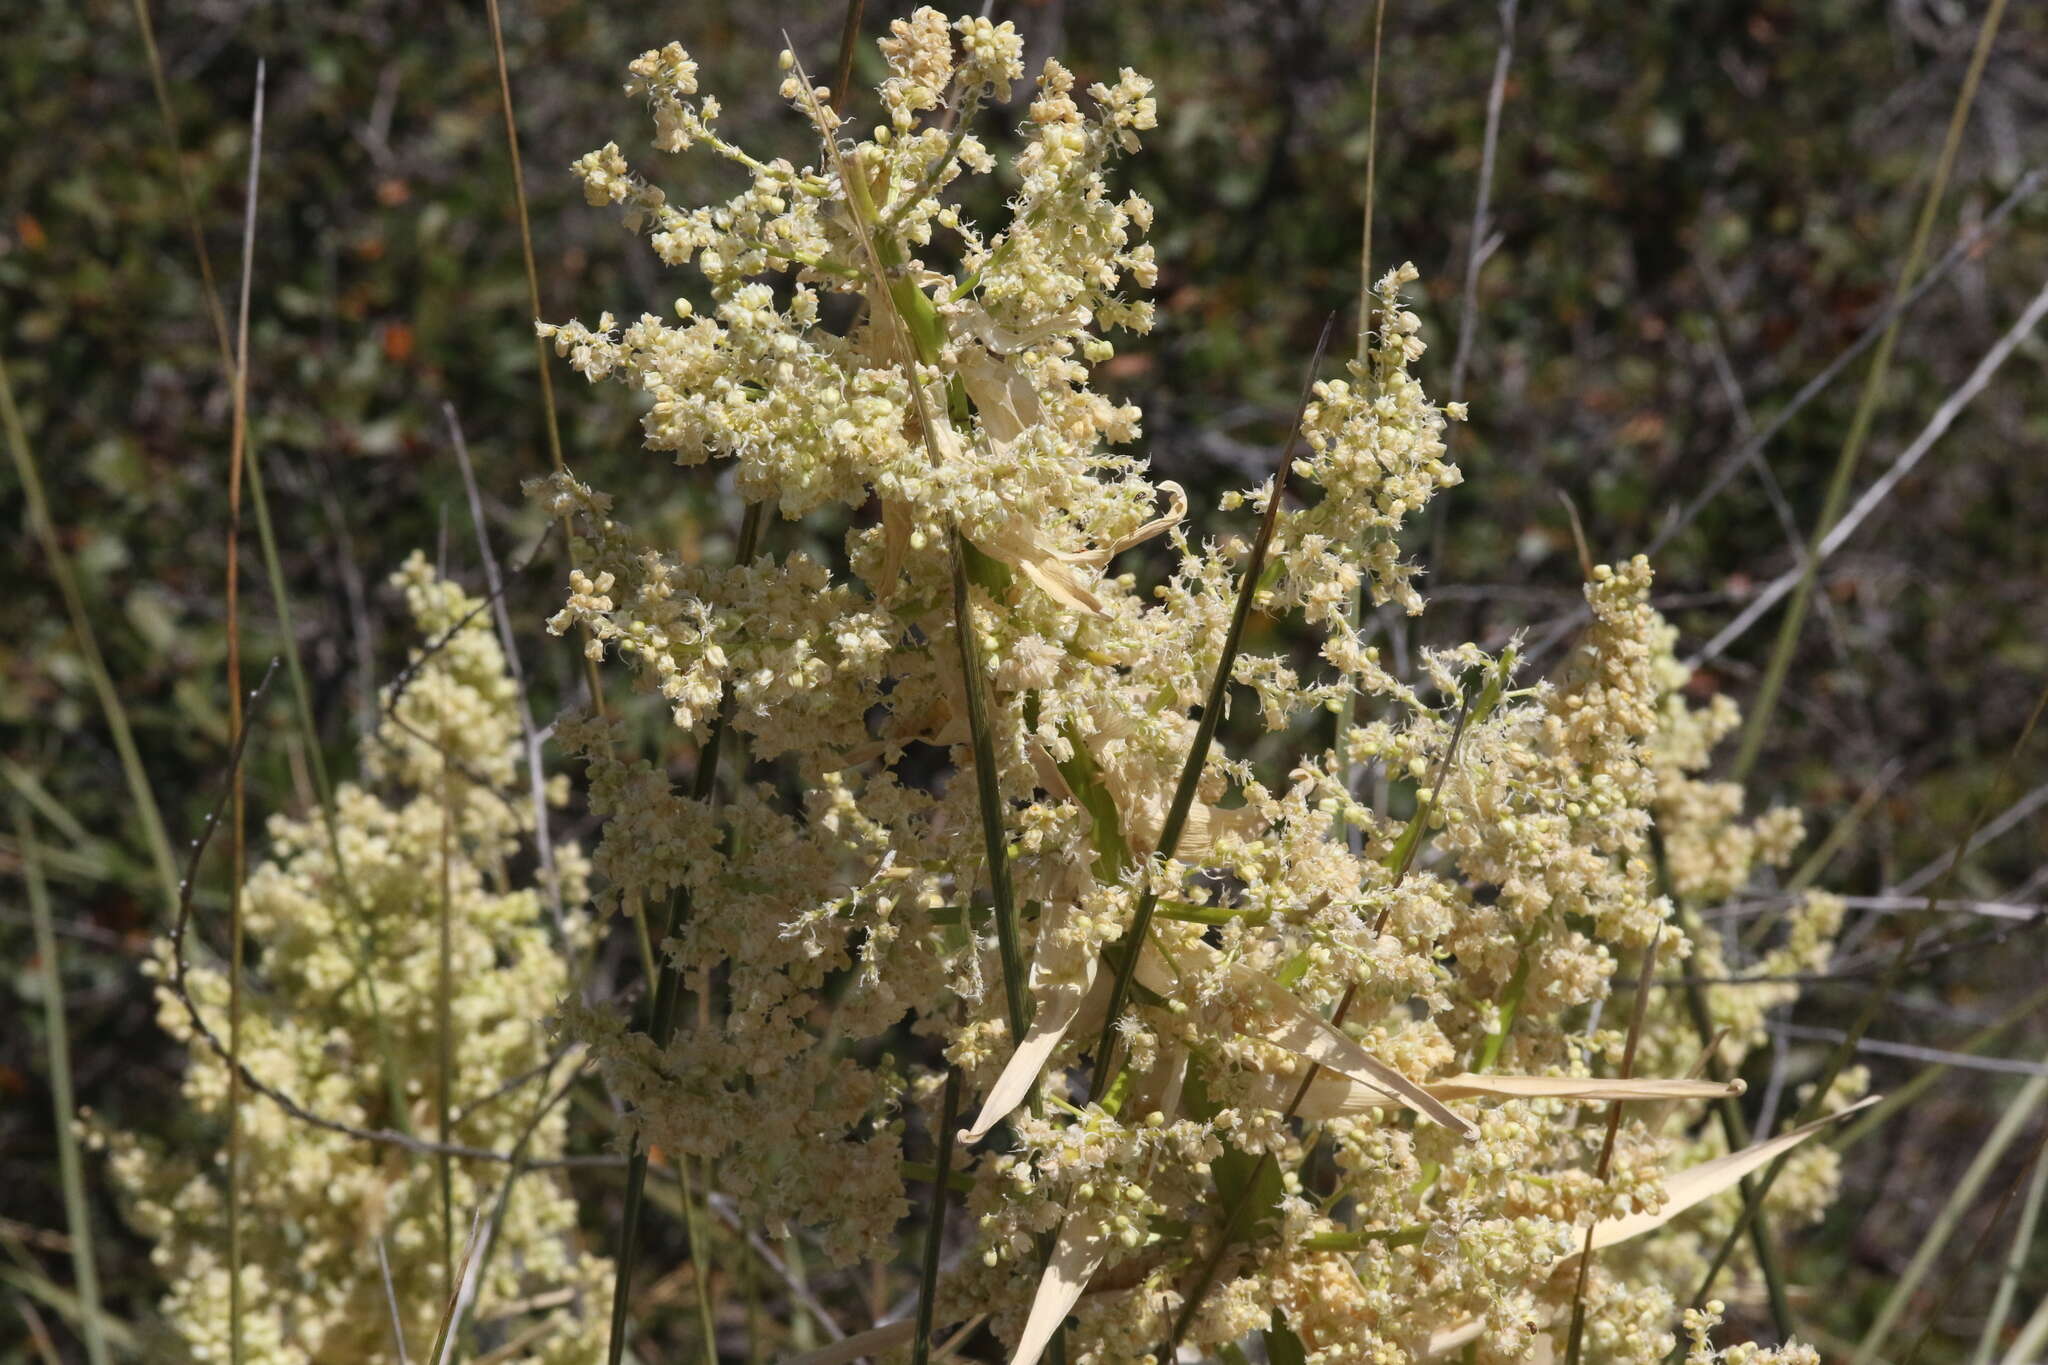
{"x": 1694, "y": 206}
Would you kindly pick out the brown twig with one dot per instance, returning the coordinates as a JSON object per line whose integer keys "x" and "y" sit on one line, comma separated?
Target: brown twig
{"x": 237, "y": 729}
{"x": 591, "y": 676}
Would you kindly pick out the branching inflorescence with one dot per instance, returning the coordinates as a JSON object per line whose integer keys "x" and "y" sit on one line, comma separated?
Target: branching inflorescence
{"x": 1395, "y": 1179}
{"x": 326, "y": 1212}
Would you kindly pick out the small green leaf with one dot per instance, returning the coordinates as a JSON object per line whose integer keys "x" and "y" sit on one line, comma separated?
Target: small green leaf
{"x": 986, "y": 572}
{"x": 1496, "y": 686}
{"x": 1113, "y": 1099}
{"x": 1404, "y": 847}
{"x": 1282, "y": 1346}
{"x": 1359, "y": 1241}
{"x": 1510, "y": 1003}
{"x": 1236, "y": 1173}
{"x": 925, "y": 1173}
{"x": 1210, "y": 914}
{"x": 1084, "y": 779}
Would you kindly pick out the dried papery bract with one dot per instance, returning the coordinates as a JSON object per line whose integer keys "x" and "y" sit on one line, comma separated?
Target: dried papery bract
{"x": 319, "y": 1203}
{"x": 1474, "y": 929}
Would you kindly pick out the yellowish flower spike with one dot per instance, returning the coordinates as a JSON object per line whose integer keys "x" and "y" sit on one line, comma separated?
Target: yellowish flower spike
{"x": 1473, "y": 931}
{"x": 318, "y": 1204}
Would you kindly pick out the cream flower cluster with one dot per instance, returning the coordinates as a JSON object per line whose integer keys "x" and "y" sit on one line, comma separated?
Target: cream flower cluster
{"x": 1358, "y": 1079}
{"x": 320, "y": 1204}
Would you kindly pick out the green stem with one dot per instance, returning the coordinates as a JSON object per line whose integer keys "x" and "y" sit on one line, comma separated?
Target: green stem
{"x": 77, "y": 1216}
{"x": 444, "y": 1021}
{"x": 1132, "y": 943}
{"x": 668, "y": 984}
{"x": 701, "y": 1258}
{"x": 919, "y": 332}
{"x": 935, "y": 1235}
{"x": 1735, "y": 1128}
{"x": 995, "y": 842}
{"x": 1409, "y": 1236}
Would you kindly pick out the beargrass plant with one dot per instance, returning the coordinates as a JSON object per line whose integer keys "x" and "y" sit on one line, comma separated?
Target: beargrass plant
{"x": 1039, "y": 886}
{"x": 1235, "y": 1052}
